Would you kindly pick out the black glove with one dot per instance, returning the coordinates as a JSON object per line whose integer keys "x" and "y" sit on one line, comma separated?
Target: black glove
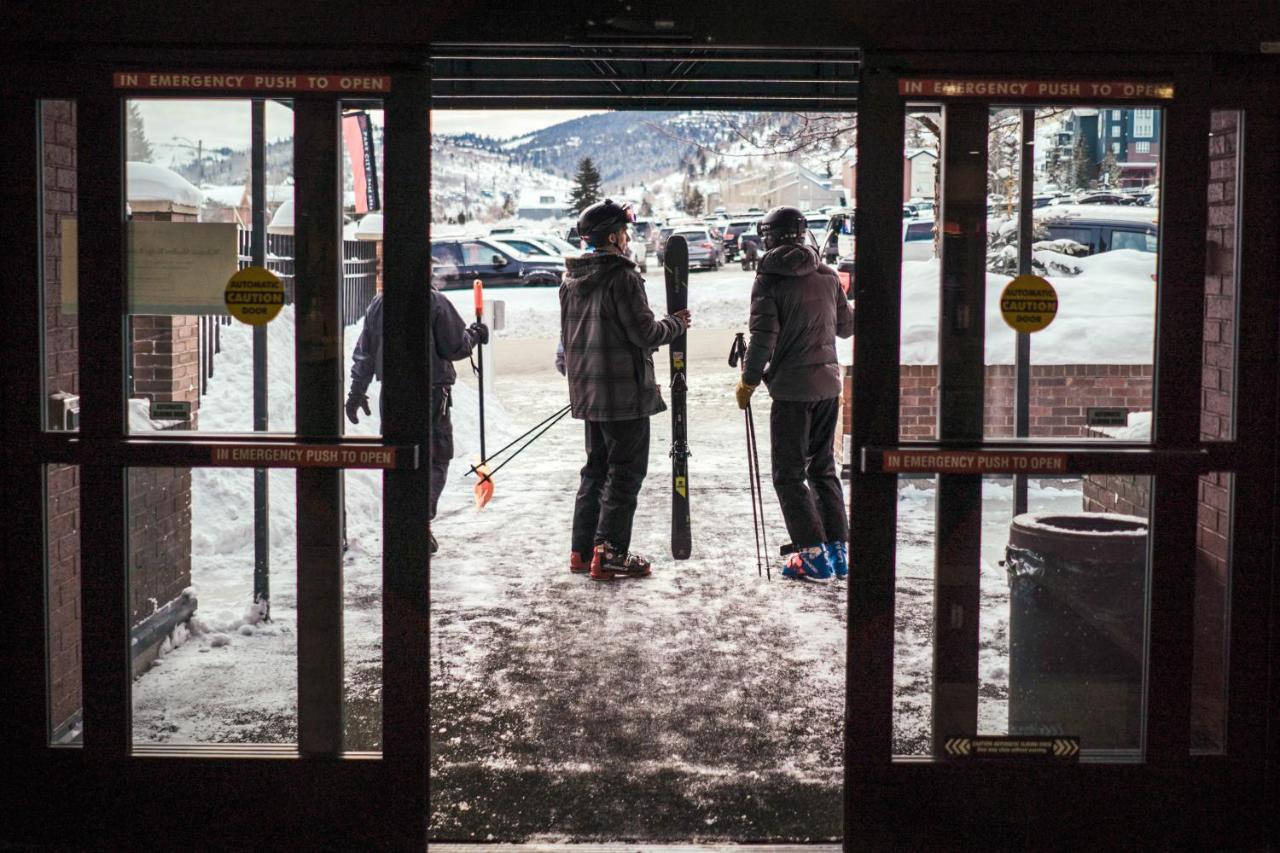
{"x": 355, "y": 402}
{"x": 479, "y": 331}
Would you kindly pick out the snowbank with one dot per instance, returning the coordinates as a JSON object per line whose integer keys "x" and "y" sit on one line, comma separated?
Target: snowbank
{"x": 1106, "y": 314}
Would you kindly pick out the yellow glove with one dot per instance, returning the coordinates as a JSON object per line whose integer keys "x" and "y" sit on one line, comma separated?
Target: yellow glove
{"x": 743, "y": 392}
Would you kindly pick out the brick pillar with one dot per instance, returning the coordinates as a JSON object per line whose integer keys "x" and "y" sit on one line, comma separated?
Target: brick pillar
{"x": 1213, "y": 528}
{"x": 62, "y": 373}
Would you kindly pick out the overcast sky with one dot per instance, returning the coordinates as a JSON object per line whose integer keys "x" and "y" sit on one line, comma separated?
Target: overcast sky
{"x": 217, "y": 124}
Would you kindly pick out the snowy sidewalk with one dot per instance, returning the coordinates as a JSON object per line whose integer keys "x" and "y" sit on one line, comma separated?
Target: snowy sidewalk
{"x": 700, "y": 702}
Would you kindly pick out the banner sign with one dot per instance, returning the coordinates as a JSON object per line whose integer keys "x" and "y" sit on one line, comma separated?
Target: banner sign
{"x": 1035, "y": 90}
{"x": 357, "y": 136}
{"x": 311, "y": 456}
{"x": 1049, "y": 749}
{"x": 972, "y": 462}
{"x": 189, "y": 81}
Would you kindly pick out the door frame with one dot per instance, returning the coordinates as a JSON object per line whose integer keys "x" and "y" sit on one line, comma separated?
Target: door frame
{"x": 314, "y": 798}
{"x": 1172, "y": 794}
{"x": 280, "y": 796}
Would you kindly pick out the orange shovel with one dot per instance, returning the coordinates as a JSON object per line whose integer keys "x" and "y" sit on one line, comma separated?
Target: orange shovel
{"x": 484, "y": 486}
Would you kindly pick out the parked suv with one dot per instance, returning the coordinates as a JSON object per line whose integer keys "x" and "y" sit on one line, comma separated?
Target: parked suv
{"x": 735, "y": 228}
{"x": 457, "y": 262}
{"x": 704, "y": 251}
{"x": 1102, "y": 227}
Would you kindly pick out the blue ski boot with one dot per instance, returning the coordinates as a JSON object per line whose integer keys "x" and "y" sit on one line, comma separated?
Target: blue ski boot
{"x": 808, "y": 564}
{"x": 838, "y": 554}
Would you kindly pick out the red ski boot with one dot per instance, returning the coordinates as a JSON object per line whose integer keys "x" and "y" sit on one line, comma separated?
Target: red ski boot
{"x": 607, "y": 564}
{"x": 577, "y": 565}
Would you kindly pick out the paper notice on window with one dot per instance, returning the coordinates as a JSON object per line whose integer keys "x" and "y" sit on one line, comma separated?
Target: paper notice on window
{"x": 69, "y": 274}
{"x": 174, "y": 267}
{"x": 180, "y": 267}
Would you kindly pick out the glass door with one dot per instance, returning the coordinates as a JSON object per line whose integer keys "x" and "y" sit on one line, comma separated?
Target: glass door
{"x": 206, "y": 606}
{"x": 1045, "y": 397}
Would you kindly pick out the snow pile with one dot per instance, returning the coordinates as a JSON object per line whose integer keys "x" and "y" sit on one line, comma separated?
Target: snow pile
{"x": 1106, "y": 314}
{"x": 149, "y": 182}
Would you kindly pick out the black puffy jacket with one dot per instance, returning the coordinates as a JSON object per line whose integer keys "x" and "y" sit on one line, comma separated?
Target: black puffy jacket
{"x": 450, "y": 337}
{"x": 798, "y": 309}
{"x": 610, "y": 335}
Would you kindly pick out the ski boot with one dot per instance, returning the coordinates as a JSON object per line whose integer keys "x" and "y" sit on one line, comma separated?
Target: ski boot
{"x": 577, "y": 565}
{"x": 808, "y": 564}
{"x": 607, "y": 564}
{"x": 838, "y": 554}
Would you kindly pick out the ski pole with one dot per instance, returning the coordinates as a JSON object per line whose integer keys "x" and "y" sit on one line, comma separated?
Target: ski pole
{"x": 517, "y": 440}
{"x": 737, "y": 356}
{"x": 755, "y": 453}
{"x": 487, "y": 475}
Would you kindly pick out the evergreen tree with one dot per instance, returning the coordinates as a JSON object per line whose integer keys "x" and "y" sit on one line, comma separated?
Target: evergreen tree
{"x": 586, "y": 188}
{"x": 137, "y": 148}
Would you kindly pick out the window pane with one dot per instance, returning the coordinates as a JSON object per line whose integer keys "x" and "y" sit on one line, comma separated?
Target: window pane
{"x": 62, "y": 591}
{"x": 1095, "y": 240}
{"x": 913, "y": 619}
{"x": 1063, "y": 621}
{"x": 214, "y": 661}
{"x": 189, "y": 199}
{"x": 59, "y": 258}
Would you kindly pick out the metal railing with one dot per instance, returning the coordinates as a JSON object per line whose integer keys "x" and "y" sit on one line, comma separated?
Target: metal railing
{"x": 359, "y": 284}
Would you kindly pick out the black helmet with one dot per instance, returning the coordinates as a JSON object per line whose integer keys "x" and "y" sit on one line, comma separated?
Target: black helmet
{"x": 782, "y": 225}
{"x": 603, "y": 218}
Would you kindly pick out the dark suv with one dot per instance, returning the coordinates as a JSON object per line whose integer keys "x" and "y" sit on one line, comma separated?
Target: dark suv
{"x": 732, "y": 232}
{"x": 457, "y": 262}
{"x": 1102, "y": 228}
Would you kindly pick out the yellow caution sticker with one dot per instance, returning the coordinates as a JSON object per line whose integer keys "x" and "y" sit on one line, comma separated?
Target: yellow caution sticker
{"x": 1028, "y": 303}
{"x": 254, "y": 295}
{"x": 681, "y": 489}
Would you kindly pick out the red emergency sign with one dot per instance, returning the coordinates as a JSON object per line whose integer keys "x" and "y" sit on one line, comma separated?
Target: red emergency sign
{"x": 307, "y": 456}
{"x": 243, "y": 81}
{"x": 1035, "y": 90}
{"x": 972, "y": 462}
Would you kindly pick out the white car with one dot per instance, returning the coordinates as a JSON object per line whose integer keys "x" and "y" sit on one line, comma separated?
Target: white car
{"x": 917, "y": 239}
{"x": 638, "y": 251}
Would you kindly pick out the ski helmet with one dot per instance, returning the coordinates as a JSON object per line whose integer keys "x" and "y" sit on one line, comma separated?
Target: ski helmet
{"x": 603, "y": 218}
{"x": 782, "y": 225}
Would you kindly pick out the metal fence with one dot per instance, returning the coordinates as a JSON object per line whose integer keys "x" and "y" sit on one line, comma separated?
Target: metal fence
{"x": 359, "y": 283}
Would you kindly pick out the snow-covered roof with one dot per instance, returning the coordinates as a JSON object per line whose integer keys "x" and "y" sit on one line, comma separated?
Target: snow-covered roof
{"x": 531, "y": 198}
{"x": 1137, "y": 213}
{"x": 149, "y": 182}
{"x": 282, "y": 221}
{"x": 370, "y": 227}
{"x": 226, "y": 196}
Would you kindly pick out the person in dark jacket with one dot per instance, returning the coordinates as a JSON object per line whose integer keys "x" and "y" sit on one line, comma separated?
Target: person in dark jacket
{"x": 451, "y": 340}
{"x": 750, "y": 251}
{"x": 797, "y": 310}
{"x": 609, "y": 335}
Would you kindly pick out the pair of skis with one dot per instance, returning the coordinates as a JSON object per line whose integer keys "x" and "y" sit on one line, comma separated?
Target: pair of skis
{"x": 675, "y": 265}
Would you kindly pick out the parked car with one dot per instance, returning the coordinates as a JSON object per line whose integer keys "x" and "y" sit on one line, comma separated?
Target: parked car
{"x": 735, "y": 228}
{"x": 1106, "y": 198}
{"x": 538, "y": 245}
{"x": 638, "y": 251}
{"x": 1102, "y": 228}
{"x": 917, "y": 239}
{"x": 457, "y": 262}
{"x": 704, "y": 251}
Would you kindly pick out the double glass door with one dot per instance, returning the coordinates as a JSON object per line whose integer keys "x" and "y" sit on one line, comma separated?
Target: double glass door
{"x": 1060, "y": 535}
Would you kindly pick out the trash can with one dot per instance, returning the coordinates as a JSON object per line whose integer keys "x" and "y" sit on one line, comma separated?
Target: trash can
{"x": 1077, "y": 595}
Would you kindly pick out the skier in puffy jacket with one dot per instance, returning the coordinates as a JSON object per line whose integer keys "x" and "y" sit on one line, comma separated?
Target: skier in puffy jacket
{"x": 797, "y": 310}
{"x": 609, "y": 335}
{"x": 451, "y": 340}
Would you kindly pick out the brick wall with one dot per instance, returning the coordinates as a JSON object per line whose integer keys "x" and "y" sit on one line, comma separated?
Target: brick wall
{"x": 165, "y": 368}
{"x": 1061, "y": 395}
{"x": 159, "y": 538}
{"x": 62, "y": 373}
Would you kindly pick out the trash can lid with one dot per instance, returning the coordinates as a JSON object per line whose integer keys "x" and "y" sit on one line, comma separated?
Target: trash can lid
{"x": 1095, "y": 536}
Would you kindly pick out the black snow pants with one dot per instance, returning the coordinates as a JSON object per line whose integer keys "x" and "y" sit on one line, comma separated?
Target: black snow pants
{"x": 801, "y": 436}
{"x": 441, "y": 441}
{"x": 617, "y": 461}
